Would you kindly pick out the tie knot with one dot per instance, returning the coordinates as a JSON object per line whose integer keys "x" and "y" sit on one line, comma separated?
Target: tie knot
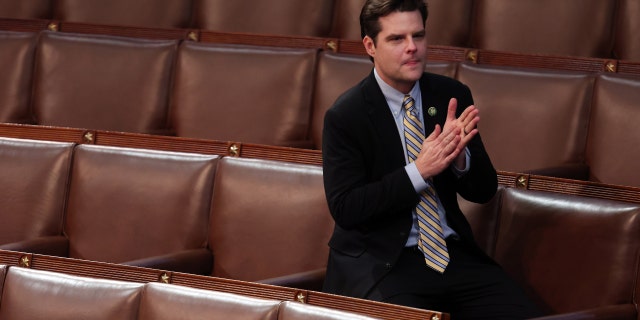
{"x": 407, "y": 102}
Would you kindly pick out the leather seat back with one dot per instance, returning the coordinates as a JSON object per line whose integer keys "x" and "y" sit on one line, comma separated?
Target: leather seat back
{"x": 572, "y": 28}
{"x": 42, "y": 295}
{"x": 127, "y": 204}
{"x": 17, "y": 50}
{"x": 103, "y": 82}
{"x": 141, "y": 13}
{"x": 530, "y": 119}
{"x": 33, "y": 188}
{"x": 612, "y": 154}
{"x": 558, "y": 246}
{"x": 268, "y": 219}
{"x": 242, "y": 93}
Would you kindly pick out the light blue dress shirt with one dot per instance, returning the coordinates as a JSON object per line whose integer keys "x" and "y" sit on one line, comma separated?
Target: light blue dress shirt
{"x": 394, "y": 101}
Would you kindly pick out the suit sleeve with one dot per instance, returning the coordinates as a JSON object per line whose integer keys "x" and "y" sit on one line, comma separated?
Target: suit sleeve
{"x": 356, "y": 193}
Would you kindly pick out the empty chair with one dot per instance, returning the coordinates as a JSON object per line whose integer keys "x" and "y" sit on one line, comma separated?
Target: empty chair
{"x": 43, "y": 295}
{"x": 570, "y": 253}
{"x": 281, "y": 17}
{"x": 269, "y": 219}
{"x": 243, "y": 93}
{"x": 140, "y": 207}
{"x": 163, "y": 301}
{"x": 141, "y": 13}
{"x": 17, "y": 51}
{"x": 532, "y": 120}
{"x": 627, "y": 38}
{"x": 103, "y": 82}
{"x": 575, "y": 28}
{"x": 26, "y": 9}
{"x": 33, "y": 189}
{"x": 613, "y": 131}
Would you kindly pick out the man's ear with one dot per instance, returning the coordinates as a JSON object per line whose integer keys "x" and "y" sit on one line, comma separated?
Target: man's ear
{"x": 369, "y": 45}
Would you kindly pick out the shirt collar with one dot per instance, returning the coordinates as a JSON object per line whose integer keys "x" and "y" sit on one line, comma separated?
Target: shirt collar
{"x": 394, "y": 97}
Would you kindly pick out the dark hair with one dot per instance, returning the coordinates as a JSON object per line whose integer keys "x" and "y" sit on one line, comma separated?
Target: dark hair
{"x": 374, "y": 9}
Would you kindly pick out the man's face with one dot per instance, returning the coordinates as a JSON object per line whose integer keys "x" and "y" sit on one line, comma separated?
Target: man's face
{"x": 400, "y": 52}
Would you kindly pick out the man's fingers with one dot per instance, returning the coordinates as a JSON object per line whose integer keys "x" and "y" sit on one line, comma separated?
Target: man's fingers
{"x": 451, "y": 111}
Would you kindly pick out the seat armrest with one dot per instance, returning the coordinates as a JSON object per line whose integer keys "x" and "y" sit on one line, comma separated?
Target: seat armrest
{"x": 614, "y": 312}
{"x": 52, "y": 246}
{"x": 196, "y": 261}
{"x": 576, "y": 171}
{"x": 308, "y": 280}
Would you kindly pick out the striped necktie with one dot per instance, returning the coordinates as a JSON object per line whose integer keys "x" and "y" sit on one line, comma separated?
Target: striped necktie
{"x": 431, "y": 240}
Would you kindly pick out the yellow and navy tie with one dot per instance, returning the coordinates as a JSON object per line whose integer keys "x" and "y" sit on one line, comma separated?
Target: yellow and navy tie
{"x": 431, "y": 239}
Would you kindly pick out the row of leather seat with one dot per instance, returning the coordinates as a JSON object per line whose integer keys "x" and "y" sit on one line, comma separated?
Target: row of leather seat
{"x": 589, "y": 28}
{"x": 158, "y": 200}
{"x": 184, "y": 212}
{"x": 570, "y": 122}
{"x": 38, "y": 295}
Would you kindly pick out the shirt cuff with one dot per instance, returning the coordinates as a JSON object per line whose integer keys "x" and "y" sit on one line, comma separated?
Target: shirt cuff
{"x": 416, "y": 179}
{"x": 467, "y": 164}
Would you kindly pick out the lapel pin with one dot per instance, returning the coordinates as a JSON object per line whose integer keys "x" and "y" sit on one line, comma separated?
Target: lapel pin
{"x": 432, "y": 111}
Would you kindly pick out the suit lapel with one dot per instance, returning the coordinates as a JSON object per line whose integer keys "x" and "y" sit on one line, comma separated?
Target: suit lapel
{"x": 382, "y": 119}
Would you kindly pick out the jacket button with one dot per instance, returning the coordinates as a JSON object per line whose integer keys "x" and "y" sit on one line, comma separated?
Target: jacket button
{"x": 388, "y": 265}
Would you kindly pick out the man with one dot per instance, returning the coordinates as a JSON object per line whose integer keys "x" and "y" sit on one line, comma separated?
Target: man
{"x": 397, "y": 148}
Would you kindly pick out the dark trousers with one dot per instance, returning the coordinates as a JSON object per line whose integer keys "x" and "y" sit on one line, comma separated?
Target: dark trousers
{"x": 470, "y": 288}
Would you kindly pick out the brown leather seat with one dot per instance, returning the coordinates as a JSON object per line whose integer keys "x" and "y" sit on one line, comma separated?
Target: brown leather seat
{"x": 627, "y": 37}
{"x": 571, "y": 253}
{"x": 281, "y": 17}
{"x": 290, "y": 310}
{"x": 16, "y": 62}
{"x": 33, "y": 189}
{"x": 275, "y": 214}
{"x": 140, "y": 207}
{"x": 26, "y": 9}
{"x": 612, "y": 152}
{"x": 575, "y": 28}
{"x": 141, "y": 13}
{"x": 103, "y": 82}
{"x": 532, "y": 120}
{"x": 163, "y": 301}
{"x": 243, "y": 93}
{"x": 38, "y": 295}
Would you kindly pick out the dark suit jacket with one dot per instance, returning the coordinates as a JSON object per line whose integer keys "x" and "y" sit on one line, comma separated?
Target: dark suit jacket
{"x": 369, "y": 193}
